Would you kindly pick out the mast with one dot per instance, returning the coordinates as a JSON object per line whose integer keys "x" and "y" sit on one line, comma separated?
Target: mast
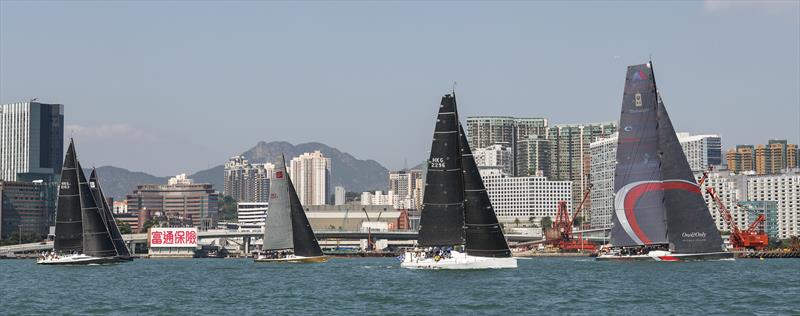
{"x": 278, "y": 226}
{"x": 108, "y": 216}
{"x": 442, "y": 218}
{"x": 484, "y": 236}
{"x": 69, "y": 225}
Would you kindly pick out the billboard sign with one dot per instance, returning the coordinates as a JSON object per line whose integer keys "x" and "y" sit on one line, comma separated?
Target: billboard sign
{"x": 162, "y": 237}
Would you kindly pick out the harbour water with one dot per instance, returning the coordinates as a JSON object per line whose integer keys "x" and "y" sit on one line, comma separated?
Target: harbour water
{"x": 379, "y": 286}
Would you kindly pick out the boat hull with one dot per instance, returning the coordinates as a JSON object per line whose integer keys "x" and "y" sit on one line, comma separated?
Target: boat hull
{"x": 667, "y": 256}
{"x": 293, "y": 259}
{"x": 456, "y": 261}
{"x": 80, "y": 259}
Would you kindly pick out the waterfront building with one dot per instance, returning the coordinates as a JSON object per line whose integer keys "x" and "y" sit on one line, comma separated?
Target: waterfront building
{"x": 527, "y": 199}
{"x": 770, "y": 211}
{"x": 23, "y": 208}
{"x": 355, "y": 217}
{"x": 120, "y": 207}
{"x": 377, "y": 198}
{"x": 742, "y": 159}
{"x": 772, "y": 158}
{"x": 784, "y": 189}
{"x": 495, "y": 156}
{"x": 406, "y": 186}
{"x": 569, "y": 154}
{"x": 339, "y": 195}
{"x": 246, "y": 182}
{"x": 311, "y": 175}
{"x": 252, "y": 215}
{"x": 197, "y": 203}
{"x": 31, "y": 140}
{"x": 700, "y": 150}
{"x": 533, "y": 156}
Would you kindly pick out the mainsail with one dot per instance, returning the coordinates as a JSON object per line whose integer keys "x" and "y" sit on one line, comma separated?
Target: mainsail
{"x": 69, "y": 225}
{"x": 108, "y": 216}
{"x": 484, "y": 236}
{"x": 657, "y": 200}
{"x": 97, "y": 240}
{"x": 442, "y": 218}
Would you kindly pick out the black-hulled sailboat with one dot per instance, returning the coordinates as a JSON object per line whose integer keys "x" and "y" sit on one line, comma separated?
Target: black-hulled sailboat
{"x": 288, "y": 236}
{"x": 458, "y": 226}
{"x": 659, "y": 211}
{"x": 81, "y": 233}
{"x": 108, "y": 216}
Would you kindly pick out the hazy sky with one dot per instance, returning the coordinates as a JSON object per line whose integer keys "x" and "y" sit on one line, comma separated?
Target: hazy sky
{"x": 181, "y": 86}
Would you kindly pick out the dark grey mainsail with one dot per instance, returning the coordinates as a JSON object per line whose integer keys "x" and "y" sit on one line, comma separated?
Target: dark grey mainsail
{"x": 69, "y": 224}
{"x": 442, "y": 218}
{"x": 97, "y": 240}
{"x": 657, "y": 200}
{"x": 108, "y": 216}
{"x": 484, "y": 236}
{"x": 278, "y": 227}
{"x": 287, "y": 226}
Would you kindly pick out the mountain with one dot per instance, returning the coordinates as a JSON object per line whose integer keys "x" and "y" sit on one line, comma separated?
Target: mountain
{"x": 353, "y": 174}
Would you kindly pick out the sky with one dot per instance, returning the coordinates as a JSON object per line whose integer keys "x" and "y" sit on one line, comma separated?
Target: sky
{"x": 180, "y": 86}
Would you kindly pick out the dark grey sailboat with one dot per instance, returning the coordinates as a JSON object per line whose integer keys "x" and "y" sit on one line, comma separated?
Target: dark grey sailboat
{"x": 659, "y": 213}
{"x": 458, "y": 226}
{"x": 108, "y": 216}
{"x": 81, "y": 235}
{"x": 288, "y": 236}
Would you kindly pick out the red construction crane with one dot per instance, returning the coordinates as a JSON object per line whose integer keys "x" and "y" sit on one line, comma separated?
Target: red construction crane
{"x": 752, "y": 238}
{"x": 705, "y": 175}
{"x": 563, "y": 226}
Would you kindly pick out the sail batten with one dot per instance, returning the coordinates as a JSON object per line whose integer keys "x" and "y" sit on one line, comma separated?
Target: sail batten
{"x": 69, "y": 221}
{"x": 657, "y": 200}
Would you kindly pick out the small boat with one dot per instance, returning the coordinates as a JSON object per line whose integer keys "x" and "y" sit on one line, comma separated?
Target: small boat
{"x": 288, "y": 236}
{"x": 659, "y": 210}
{"x": 123, "y": 253}
{"x": 81, "y": 233}
{"x": 458, "y": 225}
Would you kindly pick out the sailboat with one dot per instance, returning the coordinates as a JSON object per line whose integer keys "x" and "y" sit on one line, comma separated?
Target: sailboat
{"x": 111, "y": 223}
{"x": 458, "y": 226}
{"x": 288, "y": 236}
{"x": 659, "y": 210}
{"x": 82, "y": 236}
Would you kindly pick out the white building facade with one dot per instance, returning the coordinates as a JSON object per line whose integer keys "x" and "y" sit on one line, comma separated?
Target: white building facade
{"x": 311, "y": 176}
{"x": 527, "y": 199}
{"x": 252, "y": 215}
{"x": 784, "y": 189}
{"x": 495, "y": 156}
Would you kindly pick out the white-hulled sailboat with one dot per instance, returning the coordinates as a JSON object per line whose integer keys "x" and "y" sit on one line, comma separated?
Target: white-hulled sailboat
{"x": 458, "y": 226}
{"x": 81, "y": 235}
{"x": 288, "y": 236}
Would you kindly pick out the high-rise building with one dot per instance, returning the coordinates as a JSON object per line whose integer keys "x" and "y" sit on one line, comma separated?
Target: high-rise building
{"x": 527, "y": 199}
{"x": 23, "y": 208}
{"x": 772, "y": 158}
{"x": 198, "y": 203}
{"x": 741, "y": 159}
{"x": 246, "y": 182}
{"x": 533, "y": 156}
{"x": 31, "y": 140}
{"x": 700, "y": 150}
{"x": 569, "y": 154}
{"x": 406, "y": 186}
{"x": 339, "y": 195}
{"x": 784, "y": 189}
{"x": 495, "y": 156}
{"x": 485, "y": 131}
{"x": 311, "y": 176}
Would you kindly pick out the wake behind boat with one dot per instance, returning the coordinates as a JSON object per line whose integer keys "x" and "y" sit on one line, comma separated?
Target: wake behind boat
{"x": 82, "y": 236}
{"x": 288, "y": 236}
{"x": 458, "y": 226}
{"x": 659, "y": 211}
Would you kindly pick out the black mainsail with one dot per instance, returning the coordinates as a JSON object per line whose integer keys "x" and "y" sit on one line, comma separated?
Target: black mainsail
{"x": 108, "y": 216}
{"x": 287, "y": 226}
{"x": 484, "y": 236}
{"x": 442, "y": 217}
{"x": 657, "y": 199}
{"x": 97, "y": 240}
{"x": 69, "y": 225}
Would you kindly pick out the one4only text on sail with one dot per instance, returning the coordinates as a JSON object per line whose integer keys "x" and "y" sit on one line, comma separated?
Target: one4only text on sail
{"x": 458, "y": 226}
{"x": 659, "y": 211}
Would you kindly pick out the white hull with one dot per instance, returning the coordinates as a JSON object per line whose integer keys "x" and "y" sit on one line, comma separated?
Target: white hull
{"x": 456, "y": 260}
{"x": 661, "y": 255}
{"x": 292, "y": 259}
{"x": 79, "y": 259}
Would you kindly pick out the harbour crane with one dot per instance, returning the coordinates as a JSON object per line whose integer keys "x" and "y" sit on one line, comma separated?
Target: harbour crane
{"x": 753, "y": 237}
{"x": 563, "y": 225}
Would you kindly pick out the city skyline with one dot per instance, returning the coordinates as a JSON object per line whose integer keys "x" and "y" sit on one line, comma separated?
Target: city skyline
{"x": 179, "y": 94}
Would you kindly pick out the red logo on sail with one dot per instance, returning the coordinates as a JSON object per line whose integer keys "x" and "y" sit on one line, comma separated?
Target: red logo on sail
{"x": 278, "y": 174}
{"x": 629, "y": 195}
{"x": 639, "y": 75}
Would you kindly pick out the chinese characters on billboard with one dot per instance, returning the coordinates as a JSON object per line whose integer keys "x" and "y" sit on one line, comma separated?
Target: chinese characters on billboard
{"x": 173, "y": 237}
